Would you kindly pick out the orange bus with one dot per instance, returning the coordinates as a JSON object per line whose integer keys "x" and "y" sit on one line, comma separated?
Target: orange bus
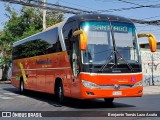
{"x": 85, "y": 57}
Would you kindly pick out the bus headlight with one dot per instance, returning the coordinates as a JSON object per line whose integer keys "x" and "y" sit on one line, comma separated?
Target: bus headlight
{"x": 88, "y": 84}
{"x": 138, "y": 84}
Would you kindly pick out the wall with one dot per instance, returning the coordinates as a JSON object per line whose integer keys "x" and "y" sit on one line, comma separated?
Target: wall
{"x": 150, "y": 67}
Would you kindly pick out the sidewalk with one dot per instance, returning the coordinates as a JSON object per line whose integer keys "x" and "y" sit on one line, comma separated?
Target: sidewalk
{"x": 146, "y": 89}
{"x": 151, "y": 90}
{"x": 5, "y": 82}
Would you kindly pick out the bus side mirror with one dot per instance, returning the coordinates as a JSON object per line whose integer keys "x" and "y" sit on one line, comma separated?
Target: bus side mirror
{"x": 83, "y": 39}
{"x": 152, "y": 41}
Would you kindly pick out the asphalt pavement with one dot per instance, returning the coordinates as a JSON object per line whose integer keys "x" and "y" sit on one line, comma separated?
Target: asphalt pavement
{"x": 12, "y": 100}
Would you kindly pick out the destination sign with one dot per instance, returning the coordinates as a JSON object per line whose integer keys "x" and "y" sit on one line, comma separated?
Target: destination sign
{"x": 123, "y": 29}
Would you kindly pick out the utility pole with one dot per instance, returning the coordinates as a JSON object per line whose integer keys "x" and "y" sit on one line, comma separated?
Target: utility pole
{"x": 152, "y": 70}
{"x": 44, "y": 14}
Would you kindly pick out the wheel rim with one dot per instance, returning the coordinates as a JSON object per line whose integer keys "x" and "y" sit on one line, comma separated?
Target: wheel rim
{"x": 60, "y": 94}
{"x": 22, "y": 86}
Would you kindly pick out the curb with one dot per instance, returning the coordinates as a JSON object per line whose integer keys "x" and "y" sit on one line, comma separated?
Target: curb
{"x": 5, "y": 82}
{"x": 151, "y": 93}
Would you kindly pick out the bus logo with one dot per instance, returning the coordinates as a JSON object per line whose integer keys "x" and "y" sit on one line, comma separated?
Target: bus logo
{"x": 116, "y": 87}
{"x": 133, "y": 79}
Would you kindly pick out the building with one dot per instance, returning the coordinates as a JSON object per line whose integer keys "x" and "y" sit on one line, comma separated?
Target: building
{"x": 145, "y": 45}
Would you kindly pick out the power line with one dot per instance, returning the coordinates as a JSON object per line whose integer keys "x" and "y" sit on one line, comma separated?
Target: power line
{"x": 152, "y": 22}
{"x": 130, "y": 2}
{"x": 49, "y": 6}
{"x": 65, "y": 9}
{"x": 76, "y": 4}
{"x": 150, "y": 17}
{"x": 130, "y": 8}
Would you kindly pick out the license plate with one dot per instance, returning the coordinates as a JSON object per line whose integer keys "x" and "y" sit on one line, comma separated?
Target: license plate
{"x": 117, "y": 93}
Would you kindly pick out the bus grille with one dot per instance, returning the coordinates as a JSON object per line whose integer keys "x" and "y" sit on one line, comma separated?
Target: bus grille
{"x": 113, "y": 86}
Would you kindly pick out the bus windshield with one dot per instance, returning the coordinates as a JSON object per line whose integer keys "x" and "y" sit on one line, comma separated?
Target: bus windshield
{"x": 100, "y": 47}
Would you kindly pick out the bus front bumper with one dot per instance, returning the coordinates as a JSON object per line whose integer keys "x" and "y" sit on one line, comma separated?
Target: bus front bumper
{"x": 111, "y": 93}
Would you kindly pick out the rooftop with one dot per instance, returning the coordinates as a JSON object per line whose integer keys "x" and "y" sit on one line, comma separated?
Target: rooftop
{"x": 141, "y": 43}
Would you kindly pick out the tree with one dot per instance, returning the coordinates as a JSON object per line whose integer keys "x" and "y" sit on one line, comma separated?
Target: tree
{"x": 21, "y": 25}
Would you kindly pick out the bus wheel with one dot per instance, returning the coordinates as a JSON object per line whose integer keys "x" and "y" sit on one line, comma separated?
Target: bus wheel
{"x": 21, "y": 88}
{"x": 109, "y": 101}
{"x": 60, "y": 93}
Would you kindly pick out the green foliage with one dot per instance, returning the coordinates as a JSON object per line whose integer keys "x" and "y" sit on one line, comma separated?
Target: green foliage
{"x": 30, "y": 49}
{"x": 21, "y": 25}
{"x": 53, "y": 18}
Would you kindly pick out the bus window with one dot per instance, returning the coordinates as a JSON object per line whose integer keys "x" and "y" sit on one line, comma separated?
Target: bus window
{"x": 45, "y": 43}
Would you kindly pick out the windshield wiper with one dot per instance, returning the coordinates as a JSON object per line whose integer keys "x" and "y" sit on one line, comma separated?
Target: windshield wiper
{"x": 108, "y": 60}
{"x": 125, "y": 61}
{"x": 118, "y": 57}
{"x": 115, "y": 53}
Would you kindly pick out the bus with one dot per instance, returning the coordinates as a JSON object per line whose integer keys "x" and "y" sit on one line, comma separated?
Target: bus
{"x": 86, "y": 56}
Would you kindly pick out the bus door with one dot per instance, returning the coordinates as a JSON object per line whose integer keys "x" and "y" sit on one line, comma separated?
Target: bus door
{"x": 71, "y": 46}
{"x": 75, "y": 60}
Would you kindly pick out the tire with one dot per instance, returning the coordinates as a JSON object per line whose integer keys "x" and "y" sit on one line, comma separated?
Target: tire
{"x": 21, "y": 88}
{"x": 109, "y": 101}
{"x": 60, "y": 93}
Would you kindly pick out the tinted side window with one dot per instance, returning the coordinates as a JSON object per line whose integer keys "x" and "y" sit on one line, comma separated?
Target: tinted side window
{"x": 52, "y": 38}
{"x": 41, "y": 44}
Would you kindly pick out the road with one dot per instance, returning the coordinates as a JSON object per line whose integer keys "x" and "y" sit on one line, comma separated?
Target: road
{"x": 12, "y": 100}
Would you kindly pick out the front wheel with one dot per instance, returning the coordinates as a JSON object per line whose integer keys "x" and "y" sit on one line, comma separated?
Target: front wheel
{"x": 108, "y": 101}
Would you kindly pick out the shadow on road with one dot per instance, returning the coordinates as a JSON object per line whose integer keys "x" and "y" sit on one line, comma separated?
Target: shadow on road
{"x": 70, "y": 102}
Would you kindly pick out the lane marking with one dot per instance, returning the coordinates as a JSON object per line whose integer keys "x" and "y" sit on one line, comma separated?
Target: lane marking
{"x": 21, "y": 96}
{"x": 7, "y": 98}
{"x": 10, "y": 94}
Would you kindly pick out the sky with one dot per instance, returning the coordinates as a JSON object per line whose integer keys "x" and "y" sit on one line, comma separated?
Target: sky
{"x": 97, "y": 5}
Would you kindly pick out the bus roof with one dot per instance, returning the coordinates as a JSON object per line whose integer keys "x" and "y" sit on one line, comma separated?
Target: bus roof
{"x": 83, "y": 17}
